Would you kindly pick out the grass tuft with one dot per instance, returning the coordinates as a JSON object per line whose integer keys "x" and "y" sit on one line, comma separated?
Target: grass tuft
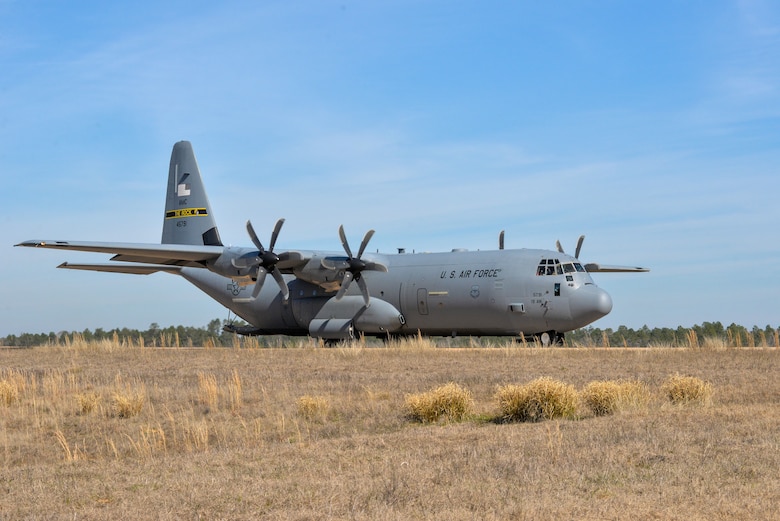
{"x": 450, "y": 401}
{"x": 129, "y": 402}
{"x": 687, "y": 390}
{"x": 88, "y": 402}
{"x": 313, "y": 408}
{"x": 608, "y": 397}
{"x": 540, "y": 399}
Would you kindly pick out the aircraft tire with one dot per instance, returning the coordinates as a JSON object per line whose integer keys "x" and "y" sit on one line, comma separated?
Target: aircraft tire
{"x": 550, "y": 338}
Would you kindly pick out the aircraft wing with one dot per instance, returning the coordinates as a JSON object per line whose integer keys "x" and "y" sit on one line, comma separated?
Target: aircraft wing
{"x": 135, "y": 269}
{"x": 594, "y": 267}
{"x": 167, "y": 254}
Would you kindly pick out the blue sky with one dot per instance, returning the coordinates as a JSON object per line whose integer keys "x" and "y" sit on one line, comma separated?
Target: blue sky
{"x": 651, "y": 127}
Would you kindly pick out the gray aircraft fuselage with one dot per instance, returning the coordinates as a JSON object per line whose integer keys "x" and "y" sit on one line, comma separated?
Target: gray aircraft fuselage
{"x": 482, "y": 293}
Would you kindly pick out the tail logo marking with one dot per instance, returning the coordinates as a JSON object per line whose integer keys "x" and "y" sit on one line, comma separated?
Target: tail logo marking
{"x": 183, "y": 189}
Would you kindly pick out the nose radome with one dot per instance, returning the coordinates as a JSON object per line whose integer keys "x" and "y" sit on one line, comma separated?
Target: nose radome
{"x": 603, "y": 302}
{"x": 590, "y": 303}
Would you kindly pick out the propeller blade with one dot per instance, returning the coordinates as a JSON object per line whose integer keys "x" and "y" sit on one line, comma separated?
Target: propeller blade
{"x": 369, "y": 234}
{"x": 344, "y": 285}
{"x": 344, "y": 242}
{"x": 253, "y": 236}
{"x": 277, "y": 275}
{"x": 275, "y": 234}
{"x": 364, "y": 290}
{"x": 579, "y": 247}
{"x": 559, "y": 247}
{"x": 376, "y": 266}
{"x": 261, "y": 273}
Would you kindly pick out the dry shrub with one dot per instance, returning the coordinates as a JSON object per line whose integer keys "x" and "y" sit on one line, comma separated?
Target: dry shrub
{"x": 683, "y": 390}
{"x": 450, "y": 401}
{"x": 127, "y": 405}
{"x": 128, "y": 400}
{"x": 609, "y": 397}
{"x": 313, "y": 407}
{"x": 541, "y": 399}
{"x": 88, "y": 402}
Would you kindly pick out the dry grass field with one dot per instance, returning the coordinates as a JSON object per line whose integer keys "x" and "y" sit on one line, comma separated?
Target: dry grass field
{"x": 109, "y": 432}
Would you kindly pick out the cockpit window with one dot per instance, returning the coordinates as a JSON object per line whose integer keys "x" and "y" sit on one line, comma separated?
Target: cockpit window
{"x": 554, "y": 267}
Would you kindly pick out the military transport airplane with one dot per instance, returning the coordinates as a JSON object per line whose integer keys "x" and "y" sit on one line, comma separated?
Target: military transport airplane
{"x": 336, "y": 295}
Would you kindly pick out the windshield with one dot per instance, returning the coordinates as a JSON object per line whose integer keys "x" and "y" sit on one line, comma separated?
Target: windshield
{"x": 554, "y": 267}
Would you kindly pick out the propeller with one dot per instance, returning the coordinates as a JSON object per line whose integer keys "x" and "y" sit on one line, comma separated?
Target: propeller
{"x": 576, "y": 251}
{"x": 353, "y": 266}
{"x": 264, "y": 260}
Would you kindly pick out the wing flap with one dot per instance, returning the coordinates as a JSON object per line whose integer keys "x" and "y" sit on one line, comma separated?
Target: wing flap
{"x": 135, "y": 269}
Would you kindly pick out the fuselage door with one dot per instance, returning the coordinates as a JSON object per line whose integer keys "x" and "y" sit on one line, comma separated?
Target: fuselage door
{"x": 422, "y": 301}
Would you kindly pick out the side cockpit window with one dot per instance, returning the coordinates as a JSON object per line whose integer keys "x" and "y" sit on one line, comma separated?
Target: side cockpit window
{"x": 549, "y": 267}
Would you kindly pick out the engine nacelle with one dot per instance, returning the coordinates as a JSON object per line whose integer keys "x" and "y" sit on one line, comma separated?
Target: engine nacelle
{"x": 337, "y": 316}
{"x": 332, "y": 328}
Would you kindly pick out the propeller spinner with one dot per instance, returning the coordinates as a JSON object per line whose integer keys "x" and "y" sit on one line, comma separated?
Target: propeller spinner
{"x": 353, "y": 266}
{"x": 264, "y": 260}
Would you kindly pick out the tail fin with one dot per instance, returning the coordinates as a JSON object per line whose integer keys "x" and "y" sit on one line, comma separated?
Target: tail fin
{"x": 188, "y": 217}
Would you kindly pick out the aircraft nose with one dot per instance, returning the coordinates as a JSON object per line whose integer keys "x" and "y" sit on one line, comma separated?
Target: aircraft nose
{"x": 590, "y": 303}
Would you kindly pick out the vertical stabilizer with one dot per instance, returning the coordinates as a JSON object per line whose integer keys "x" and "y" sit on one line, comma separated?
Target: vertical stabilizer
{"x": 188, "y": 217}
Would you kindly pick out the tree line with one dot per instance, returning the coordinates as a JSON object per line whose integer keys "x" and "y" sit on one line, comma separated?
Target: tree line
{"x": 213, "y": 334}
{"x": 716, "y": 333}
{"x": 210, "y": 335}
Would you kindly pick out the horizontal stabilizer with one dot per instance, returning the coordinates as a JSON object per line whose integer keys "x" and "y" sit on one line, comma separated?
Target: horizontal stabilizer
{"x": 594, "y": 267}
{"x": 135, "y": 269}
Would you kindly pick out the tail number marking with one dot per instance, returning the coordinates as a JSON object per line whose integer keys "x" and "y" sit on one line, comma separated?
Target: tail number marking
{"x": 185, "y": 212}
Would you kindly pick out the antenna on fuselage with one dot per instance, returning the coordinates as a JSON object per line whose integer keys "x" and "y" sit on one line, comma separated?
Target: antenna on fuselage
{"x": 501, "y": 240}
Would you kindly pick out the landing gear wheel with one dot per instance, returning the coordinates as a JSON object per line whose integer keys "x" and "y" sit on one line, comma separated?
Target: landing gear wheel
{"x": 550, "y": 338}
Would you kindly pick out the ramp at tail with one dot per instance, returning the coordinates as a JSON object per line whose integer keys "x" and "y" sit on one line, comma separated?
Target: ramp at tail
{"x": 188, "y": 217}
